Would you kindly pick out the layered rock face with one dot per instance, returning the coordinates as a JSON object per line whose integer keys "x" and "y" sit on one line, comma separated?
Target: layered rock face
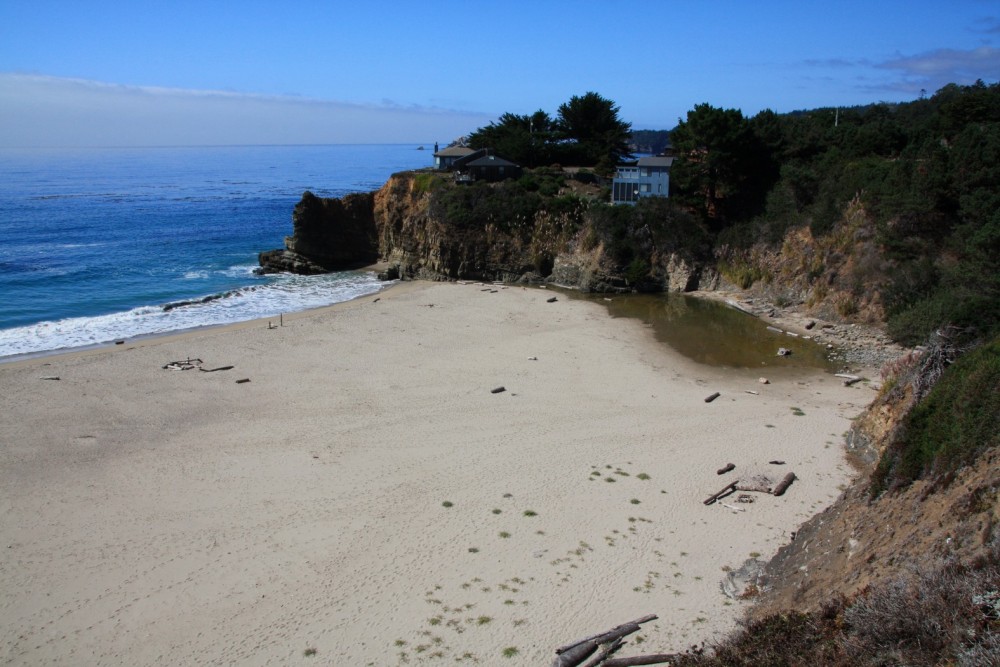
{"x": 399, "y": 225}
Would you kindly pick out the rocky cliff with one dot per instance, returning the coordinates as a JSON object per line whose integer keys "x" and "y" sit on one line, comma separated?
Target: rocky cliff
{"x": 327, "y": 235}
{"x": 422, "y": 226}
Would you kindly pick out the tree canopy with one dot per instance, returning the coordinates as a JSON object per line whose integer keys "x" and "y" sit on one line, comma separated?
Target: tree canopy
{"x": 588, "y": 132}
{"x": 590, "y": 124}
{"x": 927, "y": 172}
{"x": 720, "y": 172}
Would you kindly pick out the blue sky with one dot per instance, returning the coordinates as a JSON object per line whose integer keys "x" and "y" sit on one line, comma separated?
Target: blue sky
{"x": 130, "y": 72}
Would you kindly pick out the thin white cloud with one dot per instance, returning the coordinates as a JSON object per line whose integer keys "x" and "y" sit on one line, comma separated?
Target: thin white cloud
{"x": 934, "y": 69}
{"x": 52, "y": 111}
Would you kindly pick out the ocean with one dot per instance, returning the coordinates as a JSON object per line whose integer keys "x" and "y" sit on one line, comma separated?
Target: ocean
{"x": 97, "y": 241}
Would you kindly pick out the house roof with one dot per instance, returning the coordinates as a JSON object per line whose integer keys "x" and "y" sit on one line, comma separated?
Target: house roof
{"x": 489, "y": 161}
{"x": 481, "y": 158}
{"x": 454, "y": 151}
{"x": 655, "y": 161}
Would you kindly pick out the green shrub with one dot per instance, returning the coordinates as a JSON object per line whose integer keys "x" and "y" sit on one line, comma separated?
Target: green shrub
{"x": 425, "y": 183}
{"x": 954, "y": 423}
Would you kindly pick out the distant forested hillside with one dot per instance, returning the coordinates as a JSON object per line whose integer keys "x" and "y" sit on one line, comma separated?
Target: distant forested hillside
{"x": 650, "y": 141}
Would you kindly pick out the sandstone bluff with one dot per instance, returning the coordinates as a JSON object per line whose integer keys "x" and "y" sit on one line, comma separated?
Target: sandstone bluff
{"x": 408, "y": 226}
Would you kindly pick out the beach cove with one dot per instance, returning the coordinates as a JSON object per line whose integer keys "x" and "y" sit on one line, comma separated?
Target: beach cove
{"x": 367, "y": 497}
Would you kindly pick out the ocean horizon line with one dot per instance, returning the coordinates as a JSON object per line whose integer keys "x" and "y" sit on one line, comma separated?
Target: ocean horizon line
{"x": 262, "y": 145}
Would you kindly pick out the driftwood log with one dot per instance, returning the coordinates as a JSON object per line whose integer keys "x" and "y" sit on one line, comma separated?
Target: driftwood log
{"x": 612, "y": 634}
{"x": 654, "y": 659}
{"x": 726, "y": 468}
{"x": 848, "y": 378}
{"x": 709, "y": 399}
{"x": 574, "y": 653}
{"x": 605, "y": 653}
{"x": 757, "y": 486}
{"x": 784, "y": 484}
{"x": 726, "y": 490}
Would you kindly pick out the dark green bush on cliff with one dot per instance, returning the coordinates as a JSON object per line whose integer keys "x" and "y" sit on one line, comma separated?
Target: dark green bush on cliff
{"x": 507, "y": 206}
{"x": 634, "y": 236}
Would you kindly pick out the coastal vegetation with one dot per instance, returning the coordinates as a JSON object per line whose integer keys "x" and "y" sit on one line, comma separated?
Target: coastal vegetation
{"x": 886, "y": 213}
{"x": 922, "y": 175}
{"x": 957, "y": 421}
{"x": 587, "y": 131}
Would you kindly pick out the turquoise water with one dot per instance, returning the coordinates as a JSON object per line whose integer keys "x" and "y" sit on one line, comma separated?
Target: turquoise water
{"x": 97, "y": 241}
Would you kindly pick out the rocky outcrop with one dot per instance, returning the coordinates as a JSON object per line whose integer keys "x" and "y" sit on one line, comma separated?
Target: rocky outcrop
{"x": 401, "y": 226}
{"x": 327, "y": 235}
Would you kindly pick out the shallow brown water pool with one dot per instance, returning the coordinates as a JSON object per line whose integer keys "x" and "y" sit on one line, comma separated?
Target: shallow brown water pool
{"x": 713, "y": 333}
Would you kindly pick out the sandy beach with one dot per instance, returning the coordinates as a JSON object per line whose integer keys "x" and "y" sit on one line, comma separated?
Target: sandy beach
{"x": 366, "y": 499}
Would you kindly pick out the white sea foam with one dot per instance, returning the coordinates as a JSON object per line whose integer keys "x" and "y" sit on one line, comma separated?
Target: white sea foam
{"x": 281, "y": 294}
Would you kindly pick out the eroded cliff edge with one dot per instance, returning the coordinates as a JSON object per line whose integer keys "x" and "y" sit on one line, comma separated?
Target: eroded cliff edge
{"x": 422, "y": 226}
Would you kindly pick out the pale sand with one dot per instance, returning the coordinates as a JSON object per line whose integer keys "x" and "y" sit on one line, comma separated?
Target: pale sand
{"x": 177, "y": 517}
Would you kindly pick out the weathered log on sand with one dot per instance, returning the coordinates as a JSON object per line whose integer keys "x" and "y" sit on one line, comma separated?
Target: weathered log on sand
{"x": 653, "y": 659}
{"x": 612, "y": 634}
{"x": 608, "y": 651}
{"x": 498, "y": 390}
{"x": 709, "y": 399}
{"x": 757, "y": 488}
{"x": 726, "y": 468}
{"x": 726, "y": 490}
{"x": 784, "y": 484}
{"x": 575, "y": 655}
{"x": 551, "y": 300}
